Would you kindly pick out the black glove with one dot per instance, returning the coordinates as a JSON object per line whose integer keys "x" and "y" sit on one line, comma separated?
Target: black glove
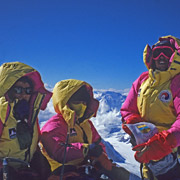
{"x": 23, "y": 130}
{"x": 21, "y": 110}
{"x": 95, "y": 150}
{"x": 24, "y": 134}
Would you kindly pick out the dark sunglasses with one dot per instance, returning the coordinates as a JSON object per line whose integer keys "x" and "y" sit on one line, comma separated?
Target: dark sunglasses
{"x": 19, "y": 90}
{"x": 165, "y": 50}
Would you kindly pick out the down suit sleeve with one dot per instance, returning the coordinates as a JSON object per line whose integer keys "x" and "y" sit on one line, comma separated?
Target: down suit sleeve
{"x": 175, "y": 88}
{"x": 129, "y": 108}
{"x": 53, "y": 137}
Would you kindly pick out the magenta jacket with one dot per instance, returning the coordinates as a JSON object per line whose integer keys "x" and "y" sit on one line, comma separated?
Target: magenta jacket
{"x": 54, "y": 135}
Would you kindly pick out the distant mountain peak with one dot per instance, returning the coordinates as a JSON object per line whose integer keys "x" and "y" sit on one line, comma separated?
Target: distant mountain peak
{"x": 109, "y": 100}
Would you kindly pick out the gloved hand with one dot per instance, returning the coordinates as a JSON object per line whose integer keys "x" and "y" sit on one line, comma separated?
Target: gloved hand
{"x": 135, "y": 118}
{"x": 103, "y": 160}
{"x": 155, "y": 148}
{"x": 23, "y": 131}
{"x": 95, "y": 150}
{"x": 21, "y": 110}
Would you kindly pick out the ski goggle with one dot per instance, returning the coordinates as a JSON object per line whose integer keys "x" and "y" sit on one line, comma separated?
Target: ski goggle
{"x": 20, "y": 90}
{"x": 166, "y": 51}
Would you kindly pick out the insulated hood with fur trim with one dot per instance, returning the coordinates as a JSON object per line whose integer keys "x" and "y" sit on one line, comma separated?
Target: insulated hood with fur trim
{"x": 63, "y": 91}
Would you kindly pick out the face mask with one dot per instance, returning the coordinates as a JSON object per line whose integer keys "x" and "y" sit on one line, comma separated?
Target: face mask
{"x": 79, "y": 108}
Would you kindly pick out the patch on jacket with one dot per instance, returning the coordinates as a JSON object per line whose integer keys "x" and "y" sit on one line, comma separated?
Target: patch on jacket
{"x": 143, "y": 128}
{"x": 165, "y": 96}
{"x": 73, "y": 132}
{"x": 12, "y": 133}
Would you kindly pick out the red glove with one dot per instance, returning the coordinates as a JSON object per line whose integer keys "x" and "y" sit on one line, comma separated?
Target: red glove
{"x": 157, "y": 147}
{"x": 135, "y": 118}
{"x": 104, "y": 161}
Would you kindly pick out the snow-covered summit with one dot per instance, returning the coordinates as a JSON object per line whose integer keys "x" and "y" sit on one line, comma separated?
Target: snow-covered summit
{"x": 109, "y": 100}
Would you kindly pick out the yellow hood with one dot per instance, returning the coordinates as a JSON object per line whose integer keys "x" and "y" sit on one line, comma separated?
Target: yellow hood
{"x": 10, "y": 73}
{"x": 63, "y": 91}
{"x": 147, "y": 54}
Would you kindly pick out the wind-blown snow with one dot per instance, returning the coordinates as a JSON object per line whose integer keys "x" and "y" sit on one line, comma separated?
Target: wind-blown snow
{"x": 108, "y": 124}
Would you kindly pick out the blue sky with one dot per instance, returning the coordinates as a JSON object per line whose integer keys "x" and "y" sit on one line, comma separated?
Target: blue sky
{"x": 98, "y": 41}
